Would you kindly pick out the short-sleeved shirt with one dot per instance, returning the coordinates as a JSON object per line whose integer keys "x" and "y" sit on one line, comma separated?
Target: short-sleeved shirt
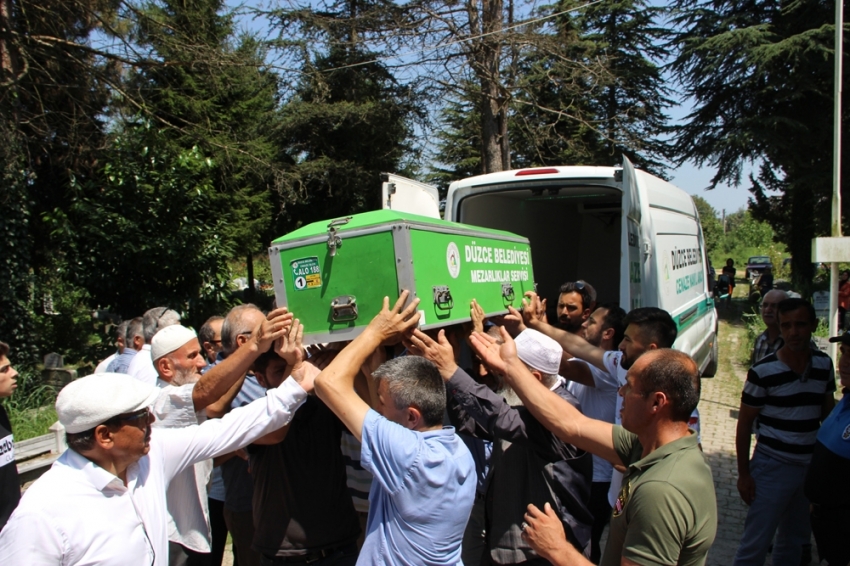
{"x": 122, "y": 363}
{"x": 790, "y": 405}
{"x": 666, "y": 512}
{"x": 421, "y": 497}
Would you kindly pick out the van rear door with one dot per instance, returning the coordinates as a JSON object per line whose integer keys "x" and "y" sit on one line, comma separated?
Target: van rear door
{"x": 631, "y": 263}
{"x": 406, "y": 195}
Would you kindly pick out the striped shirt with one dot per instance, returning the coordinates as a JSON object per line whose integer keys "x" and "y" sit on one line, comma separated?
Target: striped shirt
{"x": 790, "y": 404}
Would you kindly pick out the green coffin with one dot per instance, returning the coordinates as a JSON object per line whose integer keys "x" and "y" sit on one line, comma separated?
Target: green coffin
{"x": 334, "y": 274}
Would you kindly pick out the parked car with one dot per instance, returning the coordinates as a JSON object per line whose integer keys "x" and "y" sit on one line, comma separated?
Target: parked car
{"x": 756, "y": 265}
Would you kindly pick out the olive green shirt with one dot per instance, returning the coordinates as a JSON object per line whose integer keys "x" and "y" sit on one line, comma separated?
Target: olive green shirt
{"x": 666, "y": 512}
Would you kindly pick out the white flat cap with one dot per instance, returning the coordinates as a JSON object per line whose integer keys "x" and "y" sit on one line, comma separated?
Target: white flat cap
{"x": 92, "y": 400}
{"x": 539, "y": 352}
{"x": 169, "y": 339}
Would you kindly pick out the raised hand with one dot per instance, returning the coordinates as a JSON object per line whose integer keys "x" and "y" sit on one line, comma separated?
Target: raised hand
{"x": 277, "y": 324}
{"x": 440, "y": 351}
{"x": 495, "y": 356}
{"x": 476, "y": 313}
{"x": 513, "y": 322}
{"x": 391, "y": 324}
{"x": 533, "y": 309}
{"x": 290, "y": 347}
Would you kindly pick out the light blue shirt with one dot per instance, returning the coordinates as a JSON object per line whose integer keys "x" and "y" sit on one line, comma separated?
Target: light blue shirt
{"x": 421, "y": 496}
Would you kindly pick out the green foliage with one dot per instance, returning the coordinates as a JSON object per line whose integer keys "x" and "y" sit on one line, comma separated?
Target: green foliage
{"x": 148, "y": 227}
{"x": 761, "y": 74}
{"x": 30, "y": 408}
{"x": 349, "y": 122}
{"x": 712, "y": 230}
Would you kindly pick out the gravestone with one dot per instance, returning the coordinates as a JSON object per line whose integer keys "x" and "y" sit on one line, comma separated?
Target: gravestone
{"x": 55, "y": 374}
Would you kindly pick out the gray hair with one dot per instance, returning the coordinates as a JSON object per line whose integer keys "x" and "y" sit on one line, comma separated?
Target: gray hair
{"x": 121, "y": 330}
{"x": 134, "y": 328}
{"x": 156, "y": 319}
{"x": 413, "y": 381}
{"x": 234, "y": 325}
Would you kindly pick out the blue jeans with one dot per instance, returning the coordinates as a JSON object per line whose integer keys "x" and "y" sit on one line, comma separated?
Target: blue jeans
{"x": 779, "y": 507}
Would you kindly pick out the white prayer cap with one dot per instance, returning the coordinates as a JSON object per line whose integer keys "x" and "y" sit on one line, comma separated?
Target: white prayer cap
{"x": 538, "y": 351}
{"x": 169, "y": 339}
{"x": 92, "y": 400}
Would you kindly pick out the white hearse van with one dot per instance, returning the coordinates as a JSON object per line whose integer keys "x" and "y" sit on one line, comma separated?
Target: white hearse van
{"x": 636, "y": 238}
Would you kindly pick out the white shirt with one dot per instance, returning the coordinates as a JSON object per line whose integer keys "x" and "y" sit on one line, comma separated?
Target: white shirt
{"x": 101, "y": 367}
{"x": 598, "y": 403}
{"x": 186, "y": 497}
{"x": 79, "y": 514}
{"x": 141, "y": 367}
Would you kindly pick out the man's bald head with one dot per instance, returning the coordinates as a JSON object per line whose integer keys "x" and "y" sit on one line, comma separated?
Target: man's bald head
{"x": 769, "y": 302}
{"x": 673, "y": 373}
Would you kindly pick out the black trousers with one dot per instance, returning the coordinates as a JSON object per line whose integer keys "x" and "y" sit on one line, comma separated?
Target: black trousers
{"x": 219, "y": 531}
{"x": 601, "y": 511}
{"x": 831, "y": 528}
{"x": 179, "y": 555}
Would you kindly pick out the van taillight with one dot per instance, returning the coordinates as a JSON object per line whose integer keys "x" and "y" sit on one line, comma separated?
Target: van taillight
{"x": 538, "y": 171}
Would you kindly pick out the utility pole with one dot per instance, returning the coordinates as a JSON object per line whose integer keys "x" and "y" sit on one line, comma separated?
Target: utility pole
{"x": 836, "y": 248}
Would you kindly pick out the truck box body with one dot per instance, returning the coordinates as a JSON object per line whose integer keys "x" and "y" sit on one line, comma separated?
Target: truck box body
{"x": 634, "y": 237}
{"x": 334, "y": 274}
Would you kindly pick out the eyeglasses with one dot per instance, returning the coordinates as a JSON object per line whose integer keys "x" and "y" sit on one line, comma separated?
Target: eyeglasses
{"x": 141, "y": 414}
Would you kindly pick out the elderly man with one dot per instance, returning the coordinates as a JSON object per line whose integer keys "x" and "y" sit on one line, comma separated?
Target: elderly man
{"x": 529, "y": 464}
{"x": 154, "y": 320}
{"x": 828, "y": 473}
{"x": 10, "y": 487}
{"x": 103, "y": 502}
{"x": 424, "y": 477}
{"x": 666, "y": 511}
{"x": 770, "y": 340}
{"x": 134, "y": 341}
{"x": 183, "y": 397}
{"x": 209, "y": 336}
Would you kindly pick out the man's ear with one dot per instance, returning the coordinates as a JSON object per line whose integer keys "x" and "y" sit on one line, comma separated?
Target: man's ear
{"x": 537, "y": 375}
{"x": 414, "y": 418}
{"x": 608, "y": 334}
{"x": 164, "y": 368}
{"x": 261, "y": 378}
{"x": 241, "y": 339}
{"x": 103, "y": 437}
{"x": 138, "y": 342}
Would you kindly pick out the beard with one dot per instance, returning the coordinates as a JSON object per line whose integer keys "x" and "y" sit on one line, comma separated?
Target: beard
{"x": 185, "y": 376}
{"x": 509, "y": 395}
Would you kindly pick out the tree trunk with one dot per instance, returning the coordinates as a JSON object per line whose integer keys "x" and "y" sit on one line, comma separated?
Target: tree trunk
{"x": 251, "y": 289}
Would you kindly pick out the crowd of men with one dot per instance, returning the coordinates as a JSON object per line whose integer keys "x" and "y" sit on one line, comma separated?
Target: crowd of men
{"x": 502, "y": 441}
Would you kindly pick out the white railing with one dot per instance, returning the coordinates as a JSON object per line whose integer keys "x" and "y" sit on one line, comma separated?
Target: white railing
{"x": 33, "y": 454}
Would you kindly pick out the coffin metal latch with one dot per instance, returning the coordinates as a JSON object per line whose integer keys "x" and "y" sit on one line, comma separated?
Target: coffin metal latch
{"x": 334, "y": 241}
{"x": 443, "y": 297}
{"x": 508, "y": 292}
{"x": 344, "y": 308}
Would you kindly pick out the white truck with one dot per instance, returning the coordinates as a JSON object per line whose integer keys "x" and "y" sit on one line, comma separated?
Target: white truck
{"x": 636, "y": 238}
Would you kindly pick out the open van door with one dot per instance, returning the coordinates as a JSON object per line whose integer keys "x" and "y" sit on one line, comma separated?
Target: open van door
{"x": 630, "y": 295}
{"x": 406, "y": 195}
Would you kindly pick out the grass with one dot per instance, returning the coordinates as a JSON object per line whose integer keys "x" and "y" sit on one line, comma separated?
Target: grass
{"x": 30, "y": 407}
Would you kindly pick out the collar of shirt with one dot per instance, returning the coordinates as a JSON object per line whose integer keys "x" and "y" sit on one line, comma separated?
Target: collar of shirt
{"x": 558, "y": 382}
{"x": 94, "y": 474}
{"x": 659, "y": 454}
{"x": 146, "y": 347}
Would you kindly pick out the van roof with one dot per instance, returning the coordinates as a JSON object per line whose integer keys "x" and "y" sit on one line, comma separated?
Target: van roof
{"x": 531, "y": 173}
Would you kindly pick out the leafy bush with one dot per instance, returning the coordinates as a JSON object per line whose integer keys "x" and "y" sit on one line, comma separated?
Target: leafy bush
{"x": 30, "y": 407}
